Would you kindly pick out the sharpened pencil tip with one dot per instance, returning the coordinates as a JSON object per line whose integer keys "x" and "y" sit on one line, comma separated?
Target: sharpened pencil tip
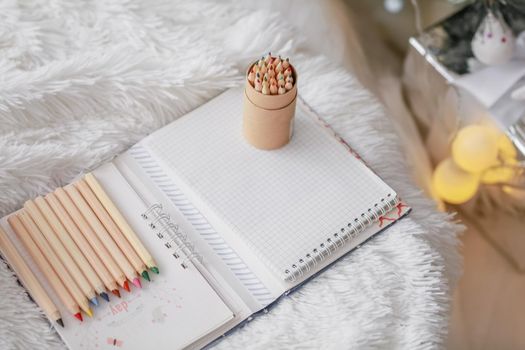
{"x": 60, "y": 322}
{"x": 78, "y": 316}
{"x": 89, "y": 312}
{"x": 116, "y": 292}
{"x": 136, "y": 282}
{"x": 155, "y": 269}
{"x": 94, "y": 301}
{"x": 145, "y": 275}
{"x": 125, "y": 285}
{"x": 105, "y": 296}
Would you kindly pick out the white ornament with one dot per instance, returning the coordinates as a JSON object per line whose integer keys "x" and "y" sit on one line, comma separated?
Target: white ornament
{"x": 493, "y": 42}
{"x": 394, "y": 6}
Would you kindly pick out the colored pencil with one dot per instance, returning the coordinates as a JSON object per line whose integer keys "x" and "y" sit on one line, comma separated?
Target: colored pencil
{"x": 85, "y": 208}
{"x": 54, "y": 261}
{"x": 112, "y": 229}
{"x": 61, "y": 251}
{"x": 57, "y": 285}
{"x": 68, "y": 201}
{"x": 28, "y": 279}
{"x": 93, "y": 259}
{"x": 71, "y": 247}
{"x": 121, "y": 222}
{"x": 271, "y": 75}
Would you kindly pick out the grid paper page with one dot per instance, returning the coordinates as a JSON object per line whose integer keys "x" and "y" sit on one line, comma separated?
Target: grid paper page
{"x": 282, "y": 203}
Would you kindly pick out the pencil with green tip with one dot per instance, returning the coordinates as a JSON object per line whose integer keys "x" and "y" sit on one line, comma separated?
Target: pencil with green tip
{"x": 121, "y": 222}
{"x": 28, "y": 279}
{"x": 54, "y": 261}
{"x": 106, "y": 220}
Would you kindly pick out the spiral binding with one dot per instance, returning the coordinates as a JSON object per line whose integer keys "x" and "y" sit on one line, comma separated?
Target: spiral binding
{"x": 174, "y": 239}
{"x": 339, "y": 239}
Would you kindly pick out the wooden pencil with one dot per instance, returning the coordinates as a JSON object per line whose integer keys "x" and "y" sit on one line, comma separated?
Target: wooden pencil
{"x": 54, "y": 261}
{"x": 57, "y": 285}
{"x": 112, "y": 229}
{"x": 121, "y": 222}
{"x": 71, "y": 247}
{"x": 60, "y": 251}
{"x": 28, "y": 279}
{"x": 87, "y": 231}
{"x": 102, "y": 234}
{"x": 103, "y": 278}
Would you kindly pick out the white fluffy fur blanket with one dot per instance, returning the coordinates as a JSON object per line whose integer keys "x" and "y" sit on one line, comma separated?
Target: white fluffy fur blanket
{"x": 83, "y": 81}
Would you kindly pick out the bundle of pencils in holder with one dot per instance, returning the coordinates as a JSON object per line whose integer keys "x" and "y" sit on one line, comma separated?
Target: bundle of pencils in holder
{"x": 269, "y": 102}
{"x": 81, "y": 244}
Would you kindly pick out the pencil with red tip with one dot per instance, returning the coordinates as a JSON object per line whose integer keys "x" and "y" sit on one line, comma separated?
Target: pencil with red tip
{"x": 125, "y": 286}
{"x": 116, "y": 292}
{"x": 44, "y": 266}
{"x": 271, "y": 75}
{"x": 83, "y": 202}
{"x": 125, "y": 247}
{"x": 46, "y": 250}
{"x": 60, "y": 250}
{"x": 28, "y": 279}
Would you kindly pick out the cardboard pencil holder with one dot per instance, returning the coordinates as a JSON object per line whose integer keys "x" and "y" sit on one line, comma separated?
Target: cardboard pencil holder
{"x": 268, "y": 119}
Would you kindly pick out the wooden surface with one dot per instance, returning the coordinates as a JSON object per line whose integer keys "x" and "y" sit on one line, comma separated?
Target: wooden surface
{"x": 488, "y": 310}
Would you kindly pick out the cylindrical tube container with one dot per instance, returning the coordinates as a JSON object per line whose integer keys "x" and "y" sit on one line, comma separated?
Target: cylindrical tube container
{"x": 268, "y": 119}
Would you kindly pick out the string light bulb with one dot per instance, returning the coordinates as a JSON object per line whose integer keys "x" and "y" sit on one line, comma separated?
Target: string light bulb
{"x": 475, "y": 148}
{"x": 500, "y": 173}
{"x": 453, "y": 184}
{"x": 505, "y": 170}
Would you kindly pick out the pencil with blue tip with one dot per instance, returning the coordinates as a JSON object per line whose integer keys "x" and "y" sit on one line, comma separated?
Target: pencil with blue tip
{"x": 98, "y": 266}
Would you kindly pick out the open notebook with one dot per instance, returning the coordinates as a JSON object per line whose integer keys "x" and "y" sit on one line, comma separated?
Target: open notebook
{"x": 233, "y": 228}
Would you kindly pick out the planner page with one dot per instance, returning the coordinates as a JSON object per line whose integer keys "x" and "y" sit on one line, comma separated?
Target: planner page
{"x": 174, "y": 310}
{"x": 285, "y": 204}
